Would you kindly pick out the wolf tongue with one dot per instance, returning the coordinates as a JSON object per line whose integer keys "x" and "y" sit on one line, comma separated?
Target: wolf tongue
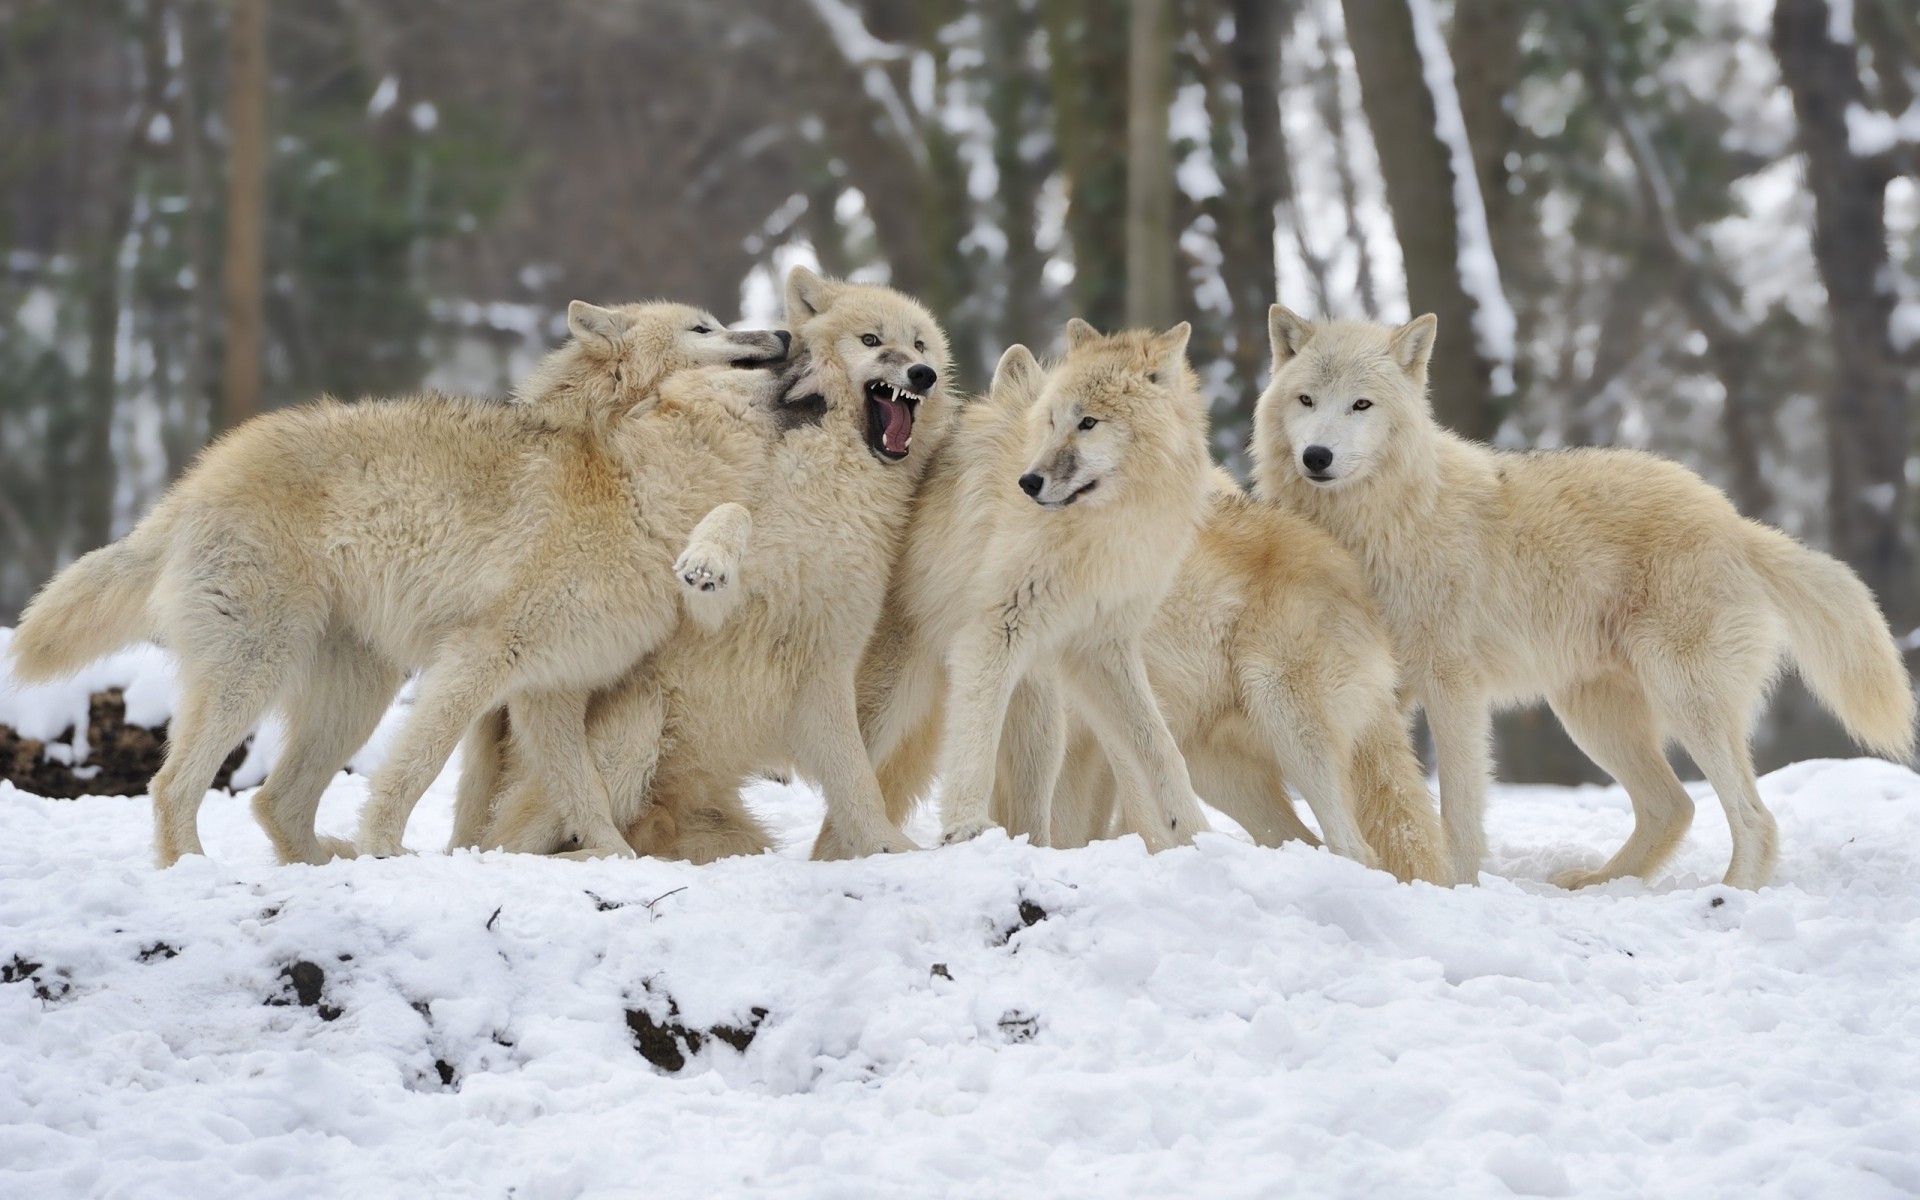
{"x": 899, "y": 430}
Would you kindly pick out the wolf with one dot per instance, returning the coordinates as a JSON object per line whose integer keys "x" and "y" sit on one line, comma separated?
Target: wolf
{"x": 1048, "y": 530}
{"x": 314, "y": 554}
{"x": 1621, "y": 587}
{"x": 1271, "y": 663}
{"x": 677, "y": 736}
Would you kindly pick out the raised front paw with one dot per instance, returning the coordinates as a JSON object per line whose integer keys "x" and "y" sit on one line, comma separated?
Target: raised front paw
{"x": 703, "y": 572}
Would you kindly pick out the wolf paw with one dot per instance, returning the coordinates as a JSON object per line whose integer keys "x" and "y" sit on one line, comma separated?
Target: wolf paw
{"x": 1575, "y": 878}
{"x": 965, "y": 831}
{"x": 706, "y": 571}
{"x": 333, "y": 847}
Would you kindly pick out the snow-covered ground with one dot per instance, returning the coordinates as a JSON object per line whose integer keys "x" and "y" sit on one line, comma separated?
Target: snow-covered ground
{"x": 988, "y": 1020}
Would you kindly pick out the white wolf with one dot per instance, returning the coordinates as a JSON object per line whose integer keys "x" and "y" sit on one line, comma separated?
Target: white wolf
{"x": 1271, "y": 664}
{"x": 313, "y": 554}
{"x": 1620, "y": 586}
{"x": 1109, "y": 449}
{"x": 776, "y": 687}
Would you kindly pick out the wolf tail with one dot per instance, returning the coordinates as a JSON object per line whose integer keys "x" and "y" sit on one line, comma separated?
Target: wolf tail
{"x": 94, "y": 607}
{"x": 1840, "y": 642}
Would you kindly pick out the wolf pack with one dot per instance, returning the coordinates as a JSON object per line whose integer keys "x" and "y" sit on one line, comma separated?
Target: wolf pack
{"x": 679, "y": 557}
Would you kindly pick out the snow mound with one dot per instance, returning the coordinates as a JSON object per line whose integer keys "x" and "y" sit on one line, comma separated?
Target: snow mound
{"x": 984, "y": 1020}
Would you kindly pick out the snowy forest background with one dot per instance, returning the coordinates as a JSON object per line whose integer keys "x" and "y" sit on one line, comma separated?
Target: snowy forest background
{"x": 1692, "y": 227}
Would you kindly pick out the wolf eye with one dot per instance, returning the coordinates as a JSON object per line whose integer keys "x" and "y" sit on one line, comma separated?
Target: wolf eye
{"x": 701, "y": 329}
{"x": 1362, "y": 405}
{"x": 1153, "y": 377}
{"x": 919, "y": 345}
{"x": 868, "y": 339}
{"x": 1306, "y": 400}
{"x": 1088, "y": 422}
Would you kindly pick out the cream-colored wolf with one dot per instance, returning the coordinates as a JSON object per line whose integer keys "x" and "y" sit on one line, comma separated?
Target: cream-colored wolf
{"x": 313, "y": 555}
{"x": 678, "y": 735}
{"x": 1049, "y": 529}
{"x": 1271, "y": 664}
{"x": 1622, "y": 587}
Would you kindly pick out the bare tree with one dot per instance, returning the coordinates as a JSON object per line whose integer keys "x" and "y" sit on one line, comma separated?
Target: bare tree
{"x": 1149, "y": 167}
{"x": 1435, "y": 203}
{"x": 246, "y": 210}
{"x": 1867, "y": 400}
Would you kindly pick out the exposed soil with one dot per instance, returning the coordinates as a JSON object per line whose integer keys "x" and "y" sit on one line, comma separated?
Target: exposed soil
{"x": 126, "y": 756}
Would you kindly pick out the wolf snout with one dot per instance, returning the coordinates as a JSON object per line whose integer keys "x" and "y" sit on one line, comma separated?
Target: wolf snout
{"x": 786, "y": 340}
{"x": 1031, "y": 483}
{"x": 1316, "y": 459}
{"x": 920, "y": 377}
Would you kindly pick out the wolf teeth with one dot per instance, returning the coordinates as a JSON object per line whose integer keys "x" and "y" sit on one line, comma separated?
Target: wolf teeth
{"x": 890, "y": 392}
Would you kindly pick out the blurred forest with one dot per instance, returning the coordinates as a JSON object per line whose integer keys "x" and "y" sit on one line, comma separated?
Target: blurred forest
{"x": 1685, "y": 226}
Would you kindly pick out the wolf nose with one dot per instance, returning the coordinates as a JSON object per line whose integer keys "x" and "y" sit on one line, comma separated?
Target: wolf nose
{"x": 786, "y": 340}
{"x": 1031, "y": 483}
{"x": 1316, "y": 458}
{"x": 921, "y": 376}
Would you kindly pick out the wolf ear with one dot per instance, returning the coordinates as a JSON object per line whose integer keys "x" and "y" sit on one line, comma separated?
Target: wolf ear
{"x": 591, "y": 325}
{"x": 808, "y": 295}
{"x": 1412, "y": 344}
{"x": 1018, "y": 368}
{"x": 1288, "y": 331}
{"x": 1173, "y": 343}
{"x": 1079, "y": 333}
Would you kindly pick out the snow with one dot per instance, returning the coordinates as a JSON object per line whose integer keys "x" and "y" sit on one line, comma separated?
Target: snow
{"x": 1215, "y": 1021}
{"x": 980, "y": 1020}
{"x": 1494, "y": 324}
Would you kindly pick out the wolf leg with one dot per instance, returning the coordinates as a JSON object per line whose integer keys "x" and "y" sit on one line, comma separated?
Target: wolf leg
{"x": 824, "y": 738}
{"x": 1313, "y": 754}
{"x": 1613, "y": 725}
{"x": 332, "y": 715}
{"x": 469, "y": 678}
{"x": 1033, "y": 747}
{"x": 1252, "y": 790}
{"x": 551, "y": 726}
{"x": 1111, "y": 681}
{"x": 1462, "y": 728}
{"x": 482, "y": 764}
{"x": 982, "y": 672}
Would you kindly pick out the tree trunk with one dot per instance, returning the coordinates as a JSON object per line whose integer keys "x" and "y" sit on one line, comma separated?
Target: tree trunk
{"x": 192, "y": 419}
{"x": 1149, "y": 168}
{"x": 1866, "y": 401}
{"x": 1011, "y": 82}
{"x": 1419, "y": 174}
{"x": 246, "y": 210}
{"x": 1089, "y": 45}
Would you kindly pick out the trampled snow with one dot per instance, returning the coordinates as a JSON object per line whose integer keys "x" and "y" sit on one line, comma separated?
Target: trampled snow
{"x": 985, "y": 1020}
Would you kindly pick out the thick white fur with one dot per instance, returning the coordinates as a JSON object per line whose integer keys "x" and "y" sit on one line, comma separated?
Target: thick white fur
{"x": 1620, "y": 586}
{"x": 676, "y": 737}
{"x": 314, "y": 554}
{"x": 996, "y": 588}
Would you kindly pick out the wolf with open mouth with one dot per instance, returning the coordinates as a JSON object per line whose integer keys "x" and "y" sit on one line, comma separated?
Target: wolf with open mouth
{"x": 773, "y": 686}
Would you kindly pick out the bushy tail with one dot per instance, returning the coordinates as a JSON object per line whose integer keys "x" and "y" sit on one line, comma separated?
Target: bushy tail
{"x": 1841, "y": 642}
{"x": 94, "y": 607}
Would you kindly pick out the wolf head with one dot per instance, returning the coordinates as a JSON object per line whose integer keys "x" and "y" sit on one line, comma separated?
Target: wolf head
{"x": 1344, "y": 393}
{"x": 618, "y": 356}
{"x": 878, "y": 359}
{"x": 1117, "y": 399}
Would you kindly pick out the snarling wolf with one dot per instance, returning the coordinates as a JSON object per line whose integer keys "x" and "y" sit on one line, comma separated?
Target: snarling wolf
{"x": 313, "y": 555}
{"x": 677, "y": 736}
{"x": 1622, "y": 587}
